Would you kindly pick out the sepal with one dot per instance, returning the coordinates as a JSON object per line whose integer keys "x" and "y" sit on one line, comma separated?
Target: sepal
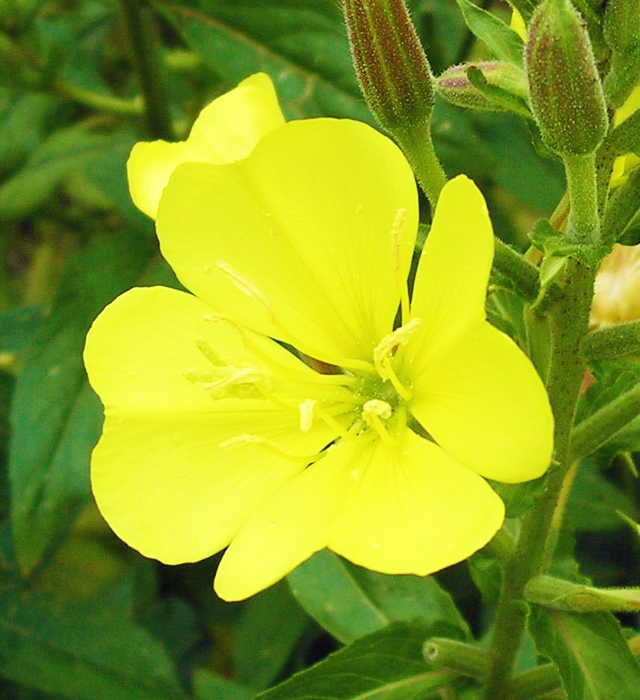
{"x": 493, "y": 85}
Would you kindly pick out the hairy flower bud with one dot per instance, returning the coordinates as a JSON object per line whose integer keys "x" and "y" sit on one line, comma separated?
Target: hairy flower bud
{"x": 564, "y": 86}
{"x": 503, "y": 87}
{"x": 622, "y": 33}
{"x": 392, "y": 68}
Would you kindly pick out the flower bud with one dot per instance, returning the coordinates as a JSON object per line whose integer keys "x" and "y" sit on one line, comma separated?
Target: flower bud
{"x": 392, "y": 68}
{"x": 564, "y": 86}
{"x": 504, "y": 87}
{"x": 622, "y": 34}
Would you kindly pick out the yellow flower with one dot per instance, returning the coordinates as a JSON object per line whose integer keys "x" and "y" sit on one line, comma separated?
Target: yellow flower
{"x": 217, "y": 435}
{"x": 625, "y": 164}
{"x": 226, "y": 130}
{"x": 617, "y": 289}
{"x": 518, "y": 25}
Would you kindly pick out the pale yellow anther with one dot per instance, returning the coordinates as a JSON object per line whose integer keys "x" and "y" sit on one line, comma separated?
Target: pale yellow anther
{"x": 378, "y": 408}
{"x": 399, "y": 274}
{"x": 246, "y": 286}
{"x": 386, "y": 348}
{"x": 210, "y": 353}
{"x": 307, "y": 409}
{"x": 237, "y": 375}
{"x": 240, "y": 440}
{"x": 374, "y": 413}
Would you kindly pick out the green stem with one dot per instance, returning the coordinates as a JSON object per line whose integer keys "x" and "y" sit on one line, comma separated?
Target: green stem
{"x": 103, "y": 103}
{"x": 418, "y": 148}
{"x": 599, "y": 428}
{"x": 535, "y": 683}
{"x": 444, "y": 653}
{"x": 583, "y": 224}
{"x": 523, "y": 274}
{"x": 142, "y": 32}
{"x": 612, "y": 341}
{"x": 569, "y": 321}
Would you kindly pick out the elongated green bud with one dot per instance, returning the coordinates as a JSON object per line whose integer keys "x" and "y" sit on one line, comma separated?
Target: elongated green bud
{"x": 392, "y": 68}
{"x": 622, "y": 34}
{"x": 503, "y": 86}
{"x": 564, "y": 86}
{"x": 563, "y": 595}
{"x": 396, "y": 81}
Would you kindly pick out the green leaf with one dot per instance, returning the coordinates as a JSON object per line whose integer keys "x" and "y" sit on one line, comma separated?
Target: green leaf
{"x": 61, "y": 650}
{"x": 17, "y": 326}
{"x": 385, "y": 665}
{"x": 593, "y": 658}
{"x": 594, "y": 500}
{"x": 302, "y": 46}
{"x": 270, "y": 628}
{"x": 502, "y": 41}
{"x": 209, "y": 686}
{"x": 554, "y": 243}
{"x": 518, "y": 498}
{"x": 56, "y": 417}
{"x": 46, "y": 168}
{"x": 22, "y": 124}
{"x": 350, "y": 602}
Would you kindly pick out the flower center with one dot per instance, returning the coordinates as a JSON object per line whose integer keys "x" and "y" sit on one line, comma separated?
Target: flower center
{"x": 383, "y": 396}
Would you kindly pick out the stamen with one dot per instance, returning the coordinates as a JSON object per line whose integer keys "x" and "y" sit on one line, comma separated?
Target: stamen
{"x": 210, "y": 353}
{"x": 313, "y": 378}
{"x": 399, "y": 277}
{"x": 333, "y": 423}
{"x": 374, "y": 412}
{"x": 385, "y": 349}
{"x": 306, "y": 414}
{"x": 246, "y": 286}
{"x": 269, "y": 445}
{"x": 237, "y": 375}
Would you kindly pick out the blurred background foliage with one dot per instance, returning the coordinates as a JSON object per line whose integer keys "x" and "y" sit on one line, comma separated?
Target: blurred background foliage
{"x": 81, "y": 615}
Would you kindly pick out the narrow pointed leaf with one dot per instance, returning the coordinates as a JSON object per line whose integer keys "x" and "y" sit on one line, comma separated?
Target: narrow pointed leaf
{"x": 385, "y": 665}
{"x": 501, "y": 40}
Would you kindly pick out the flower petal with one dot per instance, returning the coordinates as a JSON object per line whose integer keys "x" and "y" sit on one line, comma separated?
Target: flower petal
{"x": 453, "y": 273}
{"x": 159, "y": 473}
{"x": 308, "y": 240}
{"x": 403, "y": 511}
{"x": 167, "y": 488}
{"x": 287, "y": 529}
{"x": 143, "y": 352}
{"x": 416, "y": 510}
{"x": 485, "y": 405}
{"x": 226, "y": 130}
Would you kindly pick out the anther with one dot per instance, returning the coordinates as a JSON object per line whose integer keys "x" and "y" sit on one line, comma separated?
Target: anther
{"x": 269, "y": 445}
{"x": 246, "y": 286}
{"x": 306, "y": 414}
{"x": 386, "y": 348}
{"x": 374, "y": 412}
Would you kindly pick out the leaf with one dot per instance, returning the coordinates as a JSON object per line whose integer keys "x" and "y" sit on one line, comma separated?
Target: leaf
{"x": 59, "y": 650}
{"x": 22, "y": 124}
{"x": 209, "y": 686}
{"x": 270, "y": 628}
{"x": 385, "y": 665}
{"x": 593, "y": 658}
{"x": 302, "y": 46}
{"x": 502, "y": 41}
{"x": 56, "y": 417}
{"x": 594, "y": 500}
{"x": 46, "y": 167}
{"x": 350, "y": 602}
{"x": 17, "y": 326}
